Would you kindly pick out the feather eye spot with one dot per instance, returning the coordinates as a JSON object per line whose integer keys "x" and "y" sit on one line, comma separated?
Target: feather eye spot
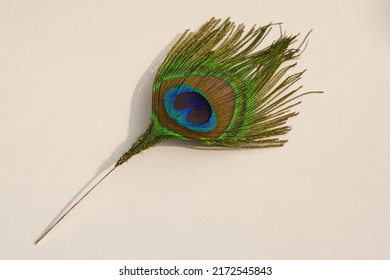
{"x": 197, "y": 107}
{"x": 189, "y": 108}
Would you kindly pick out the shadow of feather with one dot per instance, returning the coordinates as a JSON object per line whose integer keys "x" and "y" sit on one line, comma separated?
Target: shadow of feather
{"x": 139, "y": 119}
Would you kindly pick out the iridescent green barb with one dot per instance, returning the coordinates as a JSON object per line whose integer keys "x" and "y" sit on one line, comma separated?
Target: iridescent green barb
{"x": 216, "y": 86}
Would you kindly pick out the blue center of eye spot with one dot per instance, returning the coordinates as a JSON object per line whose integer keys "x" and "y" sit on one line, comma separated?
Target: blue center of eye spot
{"x": 200, "y": 108}
{"x": 190, "y": 108}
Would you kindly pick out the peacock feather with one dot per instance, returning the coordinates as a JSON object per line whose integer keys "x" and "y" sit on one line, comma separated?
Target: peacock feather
{"x": 217, "y": 87}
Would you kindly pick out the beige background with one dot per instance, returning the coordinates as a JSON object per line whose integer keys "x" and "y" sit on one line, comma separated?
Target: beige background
{"x": 75, "y": 81}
